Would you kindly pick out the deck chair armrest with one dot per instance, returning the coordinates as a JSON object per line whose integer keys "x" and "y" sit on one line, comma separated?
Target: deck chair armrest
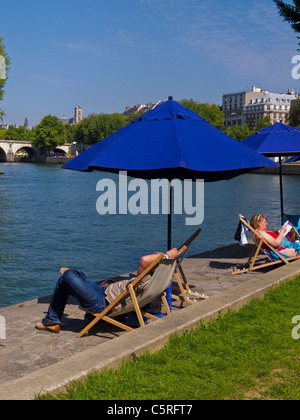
{"x": 189, "y": 241}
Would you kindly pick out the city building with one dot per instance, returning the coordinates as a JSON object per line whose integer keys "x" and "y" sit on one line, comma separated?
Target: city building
{"x": 273, "y": 105}
{"x": 65, "y": 120}
{"x": 248, "y": 107}
{"x": 5, "y": 126}
{"x": 233, "y": 106}
{"x": 78, "y": 114}
{"x": 136, "y": 108}
{"x": 26, "y": 126}
{"x": 76, "y": 119}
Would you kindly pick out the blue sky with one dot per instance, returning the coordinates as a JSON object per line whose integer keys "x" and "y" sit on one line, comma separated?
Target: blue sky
{"x": 106, "y": 54}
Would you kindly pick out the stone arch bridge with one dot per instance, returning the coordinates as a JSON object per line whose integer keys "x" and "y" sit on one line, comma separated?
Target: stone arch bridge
{"x": 11, "y": 151}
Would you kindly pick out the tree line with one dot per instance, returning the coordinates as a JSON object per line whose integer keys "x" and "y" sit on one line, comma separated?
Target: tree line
{"x": 51, "y": 132}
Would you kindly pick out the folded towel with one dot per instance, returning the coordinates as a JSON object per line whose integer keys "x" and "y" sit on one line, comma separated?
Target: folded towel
{"x": 240, "y": 234}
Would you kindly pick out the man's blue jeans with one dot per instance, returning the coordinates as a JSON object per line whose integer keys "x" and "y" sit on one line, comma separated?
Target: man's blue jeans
{"x": 73, "y": 283}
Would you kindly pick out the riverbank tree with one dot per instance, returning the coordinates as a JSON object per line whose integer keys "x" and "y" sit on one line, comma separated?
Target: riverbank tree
{"x": 49, "y": 133}
{"x": 211, "y": 112}
{"x": 13, "y": 133}
{"x": 4, "y": 68}
{"x": 97, "y": 127}
{"x": 241, "y": 133}
{"x": 290, "y": 13}
{"x": 294, "y": 116}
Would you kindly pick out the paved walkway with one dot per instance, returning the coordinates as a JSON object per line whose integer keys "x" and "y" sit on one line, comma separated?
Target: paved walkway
{"x": 32, "y": 361}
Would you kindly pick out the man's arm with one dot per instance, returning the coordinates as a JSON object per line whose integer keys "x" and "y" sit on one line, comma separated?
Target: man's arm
{"x": 149, "y": 259}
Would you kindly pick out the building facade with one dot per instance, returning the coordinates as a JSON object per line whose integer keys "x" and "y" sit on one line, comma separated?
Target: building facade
{"x": 233, "y": 106}
{"x": 273, "y": 105}
{"x": 248, "y": 107}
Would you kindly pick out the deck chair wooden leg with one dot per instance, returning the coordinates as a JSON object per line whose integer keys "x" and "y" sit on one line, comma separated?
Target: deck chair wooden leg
{"x": 104, "y": 318}
{"x": 150, "y": 316}
{"x": 136, "y": 306}
{"x": 255, "y": 256}
{"x": 165, "y": 302}
{"x": 252, "y": 253}
{"x": 184, "y": 278}
{"x": 187, "y": 286}
{"x": 89, "y": 326}
{"x": 181, "y": 289}
{"x": 117, "y": 323}
{"x": 183, "y": 286}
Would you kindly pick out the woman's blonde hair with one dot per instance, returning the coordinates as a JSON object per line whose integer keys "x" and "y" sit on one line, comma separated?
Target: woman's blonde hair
{"x": 256, "y": 219}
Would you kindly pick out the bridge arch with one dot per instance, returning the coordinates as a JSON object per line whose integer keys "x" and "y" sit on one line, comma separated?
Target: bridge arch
{"x": 59, "y": 150}
{"x": 26, "y": 154}
{"x": 10, "y": 148}
{"x": 3, "y": 157}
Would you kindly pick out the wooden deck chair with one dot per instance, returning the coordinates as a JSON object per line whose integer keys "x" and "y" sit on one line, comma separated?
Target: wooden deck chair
{"x": 259, "y": 241}
{"x": 159, "y": 282}
{"x": 183, "y": 287}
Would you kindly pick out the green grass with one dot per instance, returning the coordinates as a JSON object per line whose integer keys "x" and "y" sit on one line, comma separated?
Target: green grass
{"x": 249, "y": 354}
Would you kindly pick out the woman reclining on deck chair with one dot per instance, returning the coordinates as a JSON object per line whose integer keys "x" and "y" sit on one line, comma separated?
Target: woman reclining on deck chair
{"x": 276, "y": 240}
{"x": 91, "y": 296}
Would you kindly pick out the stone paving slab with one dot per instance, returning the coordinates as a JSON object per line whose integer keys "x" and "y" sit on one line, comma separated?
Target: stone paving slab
{"x": 31, "y": 360}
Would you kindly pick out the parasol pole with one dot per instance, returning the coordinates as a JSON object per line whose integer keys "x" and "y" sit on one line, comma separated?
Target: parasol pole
{"x": 169, "y": 245}
{"x": 281, "y": 190}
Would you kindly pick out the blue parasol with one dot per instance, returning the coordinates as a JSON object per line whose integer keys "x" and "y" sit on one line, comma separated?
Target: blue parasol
{"x": 170, "y": 142}
{"x": 277, "y": 140}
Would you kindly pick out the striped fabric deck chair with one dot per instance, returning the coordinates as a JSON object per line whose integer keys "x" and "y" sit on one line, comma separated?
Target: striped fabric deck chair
{"x": 157, "y": 285}
{"x": 272, "y": 256}
{"x": 186, "y": 294}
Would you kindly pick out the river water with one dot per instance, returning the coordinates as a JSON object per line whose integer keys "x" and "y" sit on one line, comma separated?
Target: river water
{"x": 48, "y": 219}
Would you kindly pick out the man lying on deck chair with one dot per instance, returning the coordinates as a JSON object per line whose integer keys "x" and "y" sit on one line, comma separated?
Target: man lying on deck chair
{"x": 91, "y": 296}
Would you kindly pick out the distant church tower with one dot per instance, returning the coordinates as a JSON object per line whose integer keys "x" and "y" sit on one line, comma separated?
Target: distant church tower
{"x": 78, "y": 115}
{"x": 26, "y": 123}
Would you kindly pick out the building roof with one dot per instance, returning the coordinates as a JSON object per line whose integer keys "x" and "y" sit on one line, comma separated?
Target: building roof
{"x": 272, "y": 99}
{"x": 139, "y": 107}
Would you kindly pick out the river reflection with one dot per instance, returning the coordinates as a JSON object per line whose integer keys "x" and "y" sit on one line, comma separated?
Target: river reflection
{"x": 48, "y": 219}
